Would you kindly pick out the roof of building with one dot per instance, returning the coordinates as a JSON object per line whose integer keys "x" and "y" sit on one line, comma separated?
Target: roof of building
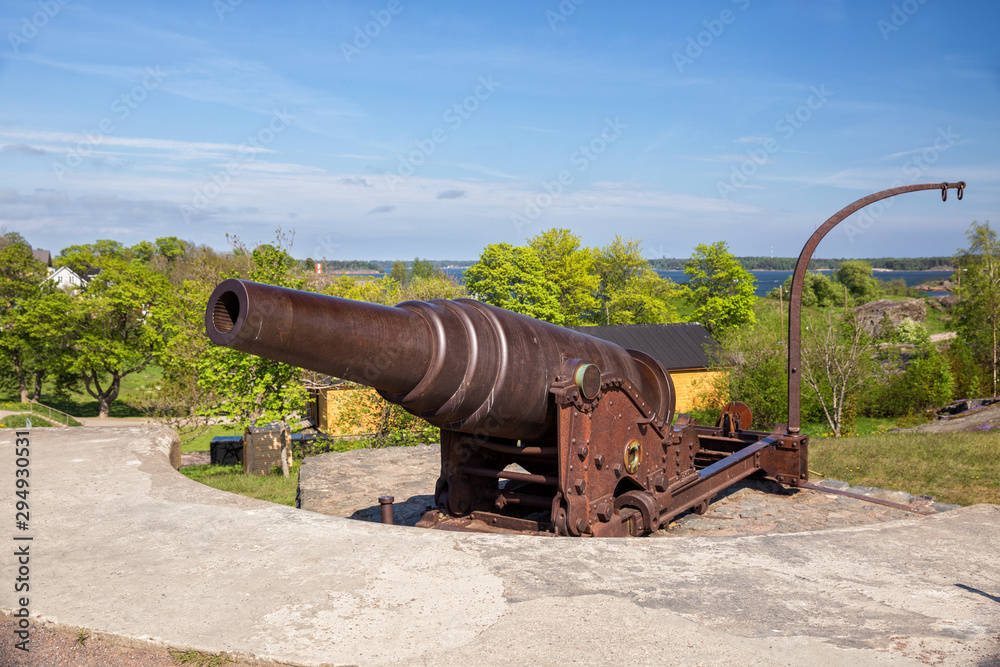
{"x": 66, "y": 274}
{"x": 681, "y": 346}
{"x": 43, "y": 256}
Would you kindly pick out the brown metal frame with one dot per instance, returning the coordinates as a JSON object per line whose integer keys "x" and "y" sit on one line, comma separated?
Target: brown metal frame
{"x": 795, "y": 300}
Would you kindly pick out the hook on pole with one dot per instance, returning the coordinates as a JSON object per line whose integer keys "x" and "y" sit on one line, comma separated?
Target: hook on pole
{"x": 798, "y": 277}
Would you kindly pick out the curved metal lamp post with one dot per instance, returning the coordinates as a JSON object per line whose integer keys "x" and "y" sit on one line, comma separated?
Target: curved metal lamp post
{"x": 795, "y": 300}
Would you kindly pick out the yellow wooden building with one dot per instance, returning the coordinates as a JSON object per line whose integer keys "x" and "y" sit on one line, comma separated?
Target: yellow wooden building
{"x": 329, "y": 408}
{"x": 686, "y": 349}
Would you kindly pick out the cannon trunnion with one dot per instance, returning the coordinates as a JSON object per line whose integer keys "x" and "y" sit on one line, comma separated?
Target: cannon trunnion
{"x": 543, "y": 429}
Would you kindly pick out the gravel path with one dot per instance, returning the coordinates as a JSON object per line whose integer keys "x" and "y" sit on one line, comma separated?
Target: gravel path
{"x": 53, "y": 648}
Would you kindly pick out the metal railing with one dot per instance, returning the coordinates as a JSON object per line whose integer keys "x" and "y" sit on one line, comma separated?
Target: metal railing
{"x": 64, "y": 419}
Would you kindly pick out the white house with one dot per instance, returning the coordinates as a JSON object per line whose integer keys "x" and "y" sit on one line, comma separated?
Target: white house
{"x": 66, "y": 277}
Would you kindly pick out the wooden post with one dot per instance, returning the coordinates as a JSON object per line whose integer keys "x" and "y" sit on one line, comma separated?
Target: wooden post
{"x": 781, "y": 309}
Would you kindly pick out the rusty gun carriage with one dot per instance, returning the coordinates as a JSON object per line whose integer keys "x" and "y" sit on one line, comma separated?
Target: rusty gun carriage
{"x": 543, "y": 429}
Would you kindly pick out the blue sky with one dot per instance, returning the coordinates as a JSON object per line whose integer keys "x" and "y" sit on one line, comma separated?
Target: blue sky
{"x": 395, "y": 128}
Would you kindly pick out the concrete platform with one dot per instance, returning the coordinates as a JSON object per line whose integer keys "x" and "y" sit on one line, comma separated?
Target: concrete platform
{"x": 123, "y": 544}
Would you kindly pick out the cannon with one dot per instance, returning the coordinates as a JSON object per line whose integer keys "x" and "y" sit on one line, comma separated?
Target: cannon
{"x": 544, "y": 430}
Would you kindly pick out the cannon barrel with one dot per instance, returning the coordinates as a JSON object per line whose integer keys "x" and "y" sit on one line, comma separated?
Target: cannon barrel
{"x": 462, "y": 365}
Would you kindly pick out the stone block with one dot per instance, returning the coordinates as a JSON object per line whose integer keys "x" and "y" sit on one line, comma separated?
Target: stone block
{"x": 944, "y": 507}
{"x": 226, "y": 450}
{"x": 264, "y": 448}
{"x": 835, "y": 484}
{"x": 901, "y": 497}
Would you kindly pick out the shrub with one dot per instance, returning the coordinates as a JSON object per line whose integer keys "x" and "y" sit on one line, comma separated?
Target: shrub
{"x": 909, "y": 332}
{"x": 970, "y": 377}
{"x": 755, "y": 359}
{"x": 926, "y": 382}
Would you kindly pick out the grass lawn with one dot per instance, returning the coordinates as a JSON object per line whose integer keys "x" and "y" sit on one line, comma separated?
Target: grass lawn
{"x": 202, "y": 442}
{"x": 20, "y": 421}
{"x": 275, "y": 488}
{"x": 82, "y": 404}
{"x": 962, "y": 468}
{"x": 864, "y": 426}
{"x": 937, "y": 321}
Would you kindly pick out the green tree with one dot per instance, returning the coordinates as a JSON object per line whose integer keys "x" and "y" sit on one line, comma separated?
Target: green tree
{"x": 571, "y": 267}
{"x": 971, "y": 377}
{"x": 977, "y": 314}
{"x": 721, "y": 290}
{"x": 837, "y": 364}
{"x": 856, "y": 275}
{"x": 930, "y": 379}
{"x": 422, "y": 269}
{"x": 644, "y": 299}
{"x": 171, "y": 247}
{"x": 818, "y": 291}
{"x": 754, "y": 365}
{"x": 399, "y": 273}
{"x": 513, "y": 277}
{"x": 177, "y": 399}
{"x": 119, "y": 325}
{"x": 87, "y": 258}
{"x": 143, "y": 251}
{"x": 22, "y": 283}
{"x": 42, "y": 323}
{"x": 254, "y": 390}
{"x": 630, "y": 291}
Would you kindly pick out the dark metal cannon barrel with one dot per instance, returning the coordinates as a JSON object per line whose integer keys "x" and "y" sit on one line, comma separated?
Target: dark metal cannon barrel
{"x": 462, "y": 365}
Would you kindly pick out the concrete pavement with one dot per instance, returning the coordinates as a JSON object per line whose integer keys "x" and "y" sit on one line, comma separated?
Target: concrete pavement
{"x": 125, "y": 545}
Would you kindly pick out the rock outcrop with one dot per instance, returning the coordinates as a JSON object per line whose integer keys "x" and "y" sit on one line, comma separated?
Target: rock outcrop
{"x": 873, "y": 314}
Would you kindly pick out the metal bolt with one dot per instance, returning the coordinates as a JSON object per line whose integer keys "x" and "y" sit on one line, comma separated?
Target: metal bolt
{"x": 582, "y": 452}
{"x": 599, "y": 461}
{"x": 661, "y": 483}
{"x": 386, "y": 503}
{"x": 580, "y": 485}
